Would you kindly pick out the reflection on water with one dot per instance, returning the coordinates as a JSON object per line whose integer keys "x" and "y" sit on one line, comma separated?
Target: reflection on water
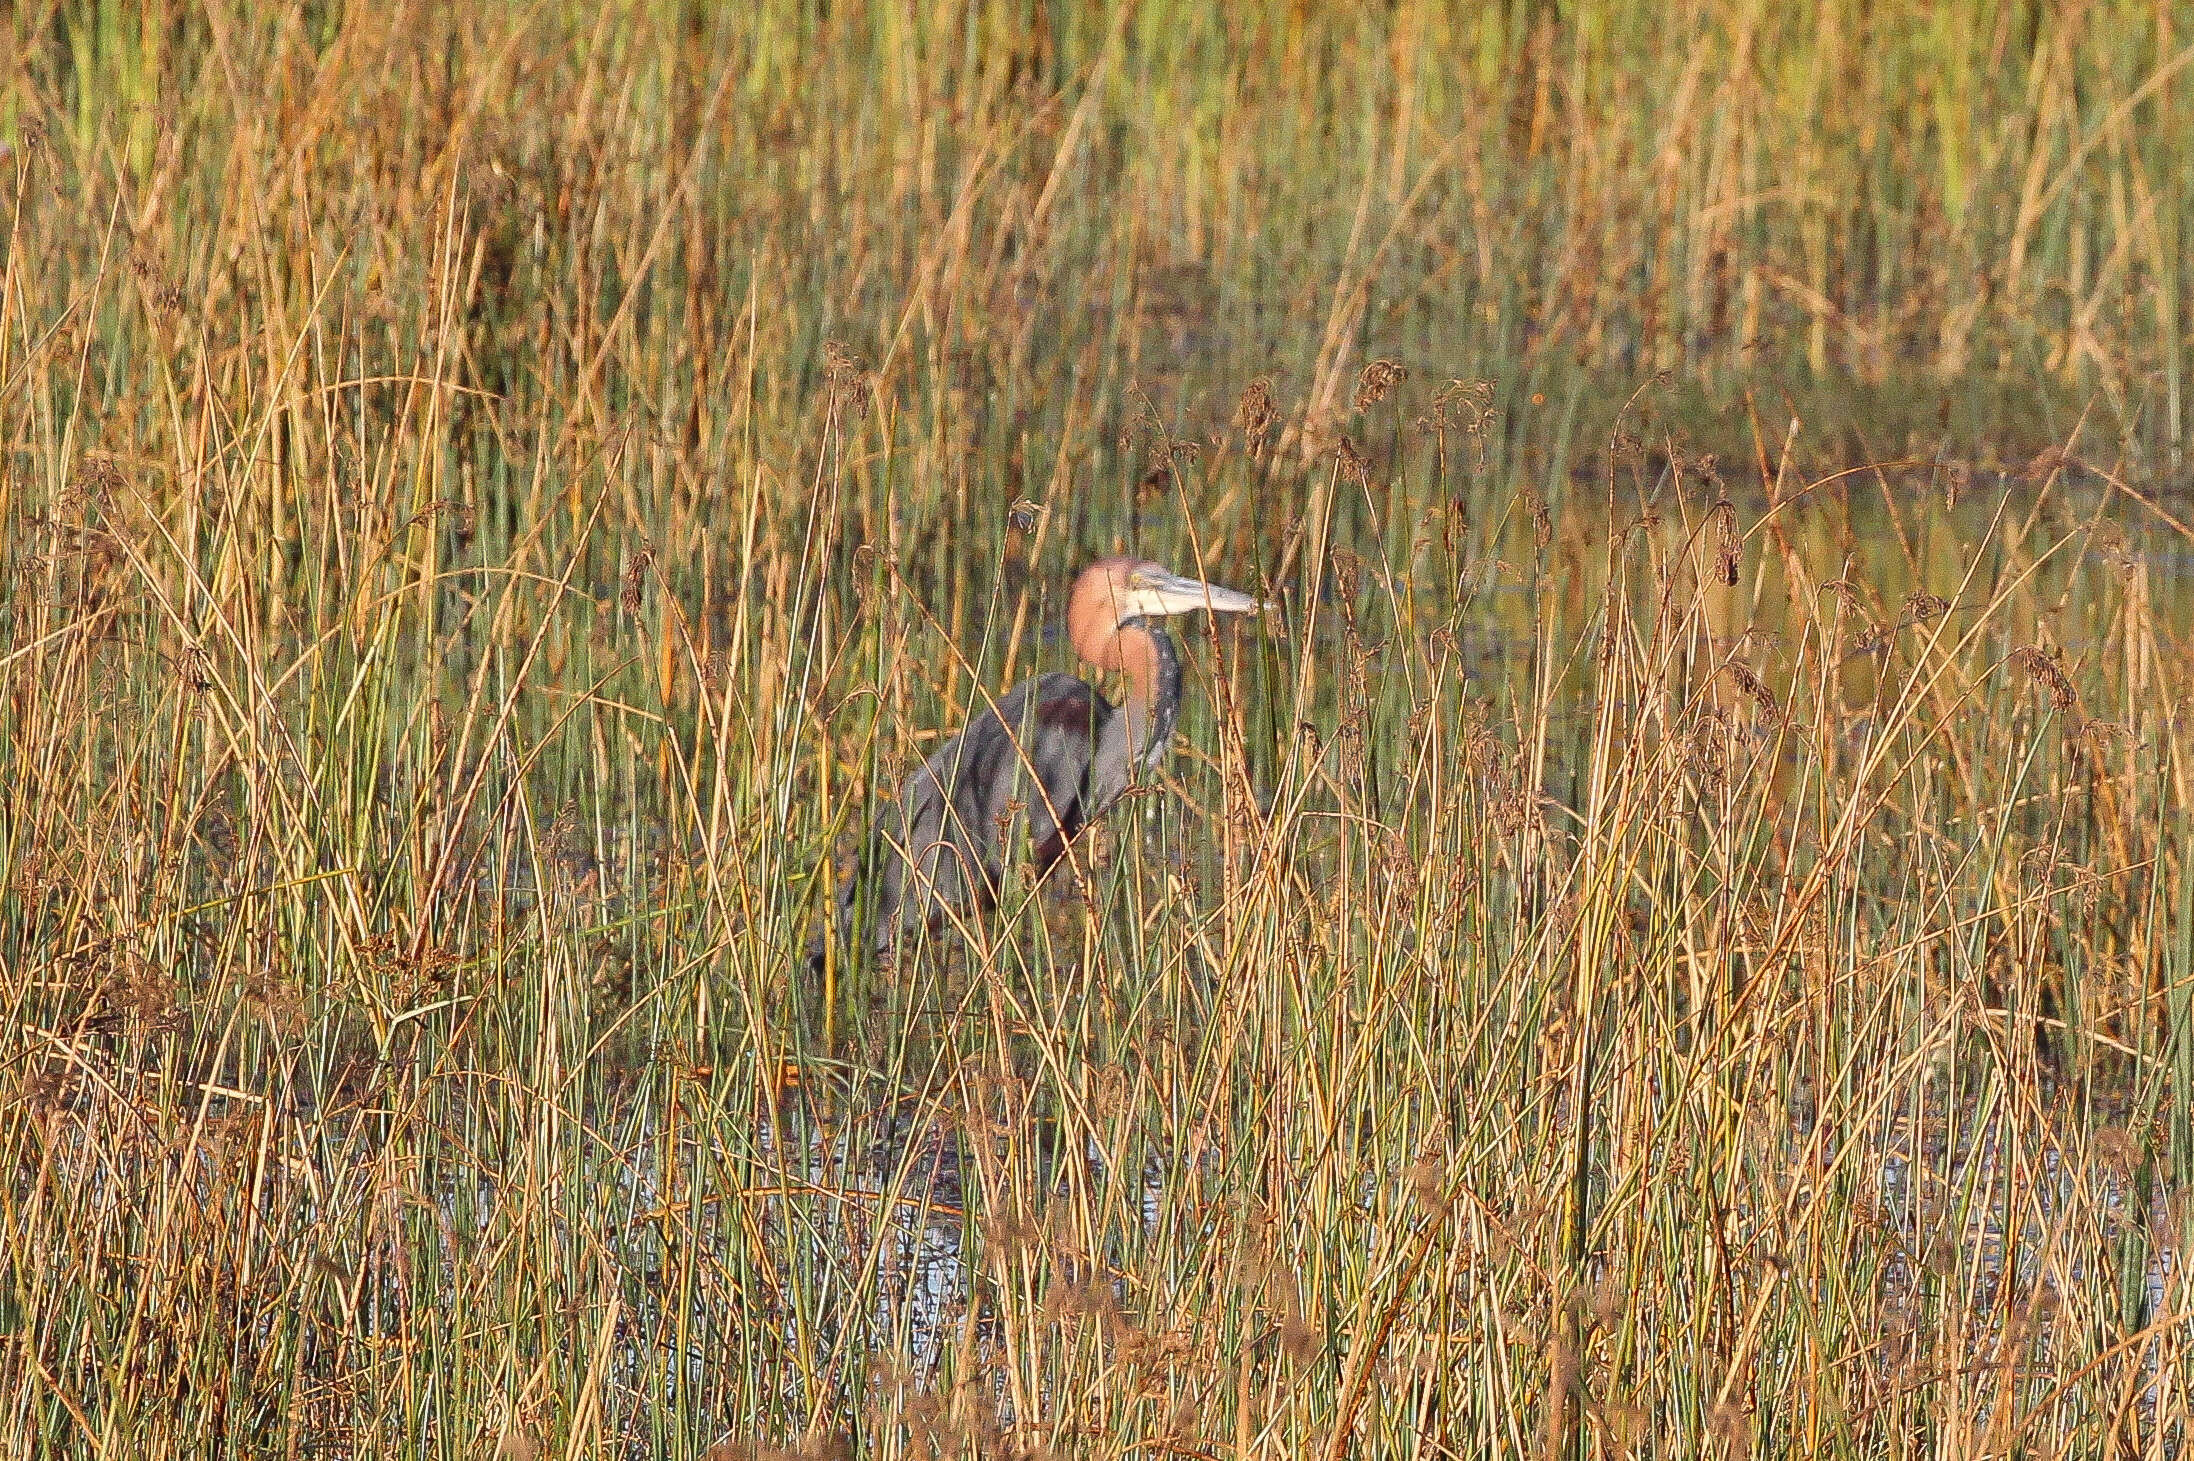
{"x": 880, "y": 1212}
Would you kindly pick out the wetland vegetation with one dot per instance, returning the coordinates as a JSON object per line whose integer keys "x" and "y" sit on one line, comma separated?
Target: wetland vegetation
{"x": 1675, "y": 939}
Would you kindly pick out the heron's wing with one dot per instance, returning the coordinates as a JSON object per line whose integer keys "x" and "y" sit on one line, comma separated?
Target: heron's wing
{"x": 939, "y": 846}
{"x": 1109, "y": 768}
{"x": 1063, "y": 735}
{"x": 1027, "y": 758}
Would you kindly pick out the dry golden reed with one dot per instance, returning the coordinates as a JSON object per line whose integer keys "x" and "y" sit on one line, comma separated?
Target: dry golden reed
{"x": 1630, "y": 998}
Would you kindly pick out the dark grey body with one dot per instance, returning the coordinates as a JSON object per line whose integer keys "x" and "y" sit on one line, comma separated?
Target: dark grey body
{"x": 939, "y": 847}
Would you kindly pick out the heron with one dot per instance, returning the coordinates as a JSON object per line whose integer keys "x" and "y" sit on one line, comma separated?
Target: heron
{"x": 1052, "y": 748}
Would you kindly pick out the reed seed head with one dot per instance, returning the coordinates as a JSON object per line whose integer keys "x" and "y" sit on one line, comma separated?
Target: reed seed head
{"x": 1255, "y": 413}
{"x": 1921, "y": 607}
{"x": 1355, "y": 467}
{"x": 1728, "y": 542}
{"x": 2046, "y": 670}
{"x": 636, "y": 573}
{"x": 1376, "y": 382}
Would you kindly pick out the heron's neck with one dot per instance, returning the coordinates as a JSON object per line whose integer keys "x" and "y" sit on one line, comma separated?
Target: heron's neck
{"x": 1154, "y": 688}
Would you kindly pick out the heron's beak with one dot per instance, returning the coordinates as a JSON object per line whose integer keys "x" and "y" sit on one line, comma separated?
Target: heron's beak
{"x": 1155, "y": 593}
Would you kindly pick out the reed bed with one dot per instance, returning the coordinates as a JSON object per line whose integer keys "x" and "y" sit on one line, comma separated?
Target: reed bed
{"x": 1674, "y": 940}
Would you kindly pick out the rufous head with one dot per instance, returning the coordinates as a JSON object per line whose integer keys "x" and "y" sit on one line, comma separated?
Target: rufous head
{"x": 1112, "y": 591}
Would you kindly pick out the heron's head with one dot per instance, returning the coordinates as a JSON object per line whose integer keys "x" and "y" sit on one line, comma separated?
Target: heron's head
{"x": 1112, "y": 591}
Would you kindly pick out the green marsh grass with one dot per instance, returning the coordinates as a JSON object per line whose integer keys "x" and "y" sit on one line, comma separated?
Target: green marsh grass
{"x": 1674, "y": 941}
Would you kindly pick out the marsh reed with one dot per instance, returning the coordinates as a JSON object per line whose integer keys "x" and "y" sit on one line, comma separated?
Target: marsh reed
{"x": 1675, "y": 941}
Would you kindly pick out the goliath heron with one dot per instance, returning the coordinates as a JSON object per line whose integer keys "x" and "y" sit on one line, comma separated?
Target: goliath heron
{"x": 1052, "y": 748}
